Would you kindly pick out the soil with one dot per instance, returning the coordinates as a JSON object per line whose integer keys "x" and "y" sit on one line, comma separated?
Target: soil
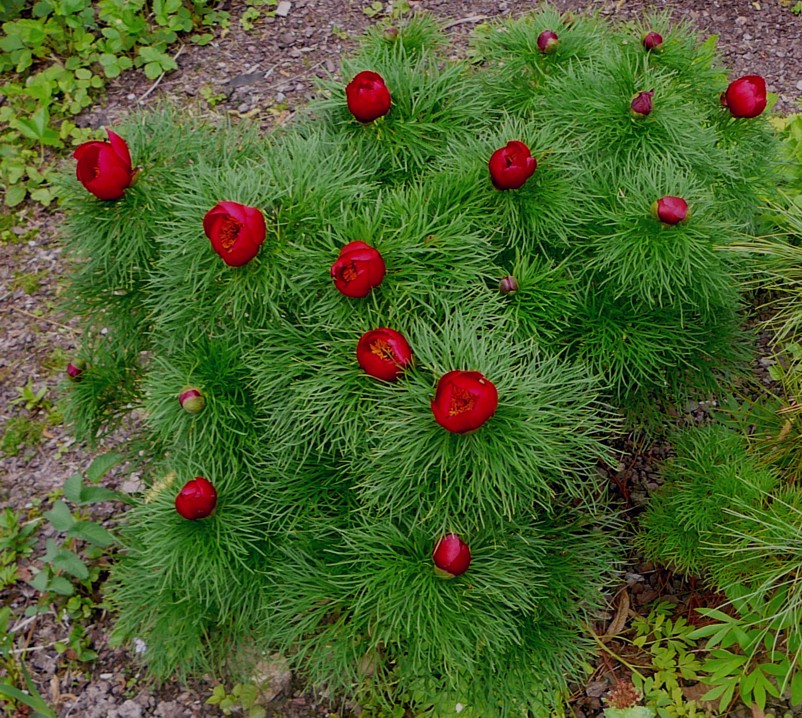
{"x": 266, "y": 73}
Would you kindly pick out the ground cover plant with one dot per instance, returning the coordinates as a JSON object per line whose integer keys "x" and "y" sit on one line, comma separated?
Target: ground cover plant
{"x": 379, "y": 352}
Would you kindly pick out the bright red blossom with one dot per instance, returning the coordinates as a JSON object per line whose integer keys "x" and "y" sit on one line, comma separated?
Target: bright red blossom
{"x": 358, "y": 269}
{"x": 746, "y": 96}
{"x": 463, "y": 401}
{"x": 104, "y": 168}
{"x": 642, "y": 104}
{"x": 451, "y": 556}
{"x": 670, "y": 210}
{"x": 547, "y": 41}
{"x": 511, "y": 166}
{"x": 652, "y": 40}
{"x": 236, "y": 231}
{"x": 367, "y": 96}
{"x": 383, "y": 353}
{"x": 197, "y": 499}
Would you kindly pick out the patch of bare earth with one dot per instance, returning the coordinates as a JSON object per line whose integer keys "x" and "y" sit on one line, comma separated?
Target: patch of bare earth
{"x": 266, "y": 73}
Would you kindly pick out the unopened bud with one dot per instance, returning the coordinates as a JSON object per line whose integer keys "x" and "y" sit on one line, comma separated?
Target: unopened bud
{"x": 508, "y": 285}
{"x": 191, "y": 400}
{"x": 75, "y": 368}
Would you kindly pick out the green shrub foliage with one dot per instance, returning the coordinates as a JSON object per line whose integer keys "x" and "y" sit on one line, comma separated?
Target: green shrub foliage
{"x": 334, "y": 487}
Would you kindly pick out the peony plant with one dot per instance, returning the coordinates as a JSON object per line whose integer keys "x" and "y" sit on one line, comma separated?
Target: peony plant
{"x": 388, "y": 340}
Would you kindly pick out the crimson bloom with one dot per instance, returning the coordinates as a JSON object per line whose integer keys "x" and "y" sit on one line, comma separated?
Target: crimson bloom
{"x": 642, "y": 104}
{"x": 358, "y": 269}
{"x": 104, "y": 168}
{"x": 451, "y": 556}
{"x": 197, "y": 499}
{"x": 652, "y": 40}
{"x": 367, "y": 96}
{"x": 463, "y": 401}
{"x": 383, "y": 353}
{"x": 511, "y": 165}
{"x": 235, "y": 230}
{"x": 746, "y": 96}
{"x": 670, "y": 210}
{"x": 547, "y": 41}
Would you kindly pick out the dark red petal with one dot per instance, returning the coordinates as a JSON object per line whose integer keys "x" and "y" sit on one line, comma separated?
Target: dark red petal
{"x": 120, "y": 148}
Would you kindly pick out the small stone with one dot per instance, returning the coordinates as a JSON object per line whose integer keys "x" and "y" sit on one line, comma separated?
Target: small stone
{"x": 272, "y": 676}
{"x": 243, "y": 107}
{"x": 596, "y": 689}
{"x": 283, "y": 8}
{"x": 799, "y": 85}
{"x": 331, "y": 67}
{"x": 280, "y": 97}
{"x": 129, "y": 709}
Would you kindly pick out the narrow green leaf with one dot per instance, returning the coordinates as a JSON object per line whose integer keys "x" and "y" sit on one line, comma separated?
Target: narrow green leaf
{"x": 796, "y": 688}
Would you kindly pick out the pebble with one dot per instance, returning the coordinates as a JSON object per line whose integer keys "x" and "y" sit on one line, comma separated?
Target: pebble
{"x": 283, "y": 8}
{"x": 129, "y": 709}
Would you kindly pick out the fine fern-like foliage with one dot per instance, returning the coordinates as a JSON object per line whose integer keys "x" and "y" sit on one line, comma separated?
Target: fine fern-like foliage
{"x": 333, "y": 486}
{"x": 711, "y": 472}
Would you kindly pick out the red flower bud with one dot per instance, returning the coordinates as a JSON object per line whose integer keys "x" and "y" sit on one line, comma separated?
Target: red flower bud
{"x": 75, "y": 368}
{"x": 235, "y": 230}
{"x": 383, "y": 353}
{"x": 367, "y": 96}
{"x": 671, "y": 210}
{"x": 358, "y": 269}
{"x": 547, "y": 41}
{"x": 652, "y": 40}
{"x": 464, "y": 400}
{"x": 642, "y": 104}
{"x": 508, "y": 285}
{"x": 191, "y": 400}
{"x": 104, "y": 168}
{"x": 196, "y": 500}
{"x": 511, "y": 166}
{"x": 451, "y": 556}
{"x": 746, "y": 96}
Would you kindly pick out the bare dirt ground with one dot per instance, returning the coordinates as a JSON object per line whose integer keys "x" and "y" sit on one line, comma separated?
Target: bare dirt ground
{"x": 266, "y": 73}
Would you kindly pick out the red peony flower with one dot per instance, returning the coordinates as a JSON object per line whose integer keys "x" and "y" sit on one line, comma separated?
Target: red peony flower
{"x": 652, "y": 40}
{"x": 464, "y": 400}
{"x": 511, "y": 166}
{"x": 451, "y": 556}
{"x": 367, "y": 96}
{"x": 358, "y": 269}
{"x": 196, "y": 500}
{"x": 104, "y": 168}
{"x": 383, "y": 353}
{"x": 547, "y": 41}
{"x": 746, "y": 96}
{"x": 642, "y": 104}
{"x": 236, "y": 231}
{"x": 671, "y": 210}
